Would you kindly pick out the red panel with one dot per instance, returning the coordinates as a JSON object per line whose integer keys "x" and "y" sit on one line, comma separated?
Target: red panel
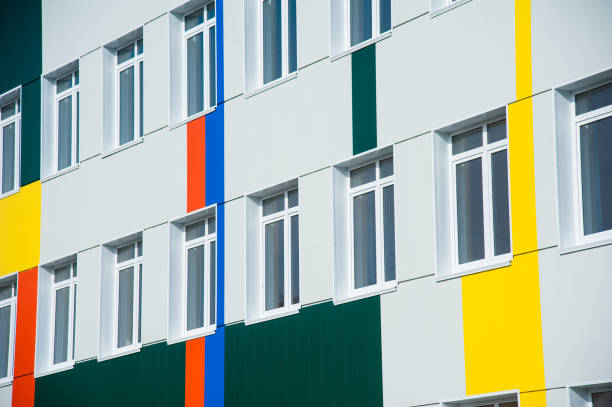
{"x": 25, "y": 336}
{"x": 194, "y": 373}
{"x": 196, "y": 164}
{"x": 23, "y": 391}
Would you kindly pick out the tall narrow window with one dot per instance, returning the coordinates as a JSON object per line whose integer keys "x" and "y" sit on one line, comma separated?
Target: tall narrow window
{"x": 67, "y": 119}
{"x": 482, "y": 215}
{"x": 10, "y": 124}
{"x": 201, "y": 272}
{"x": 200, "y": 44}
{"x": 8, "y": 301}
{"x": 372, "y": 223}
{"x": 366, "y": 19}
{"x": 278, "y": 39}
{"x": 64, "y": 313}
{"x": 130, "y": 96}
{"x": 128, "y": 294}
{"x": 281, "y": 261}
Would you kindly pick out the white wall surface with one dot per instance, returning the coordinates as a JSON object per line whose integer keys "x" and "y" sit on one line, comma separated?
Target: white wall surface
{"x": 312, "y": 31}
{"x": 89, "y": 264}
{"x": 6, "y": 395}
{"x": 402, "y": 10}
{"x": 156, "y": 74}
{"x": 90, "y": 99}
{"x": 155, "y": 284}
{"x": 234, "y": 260}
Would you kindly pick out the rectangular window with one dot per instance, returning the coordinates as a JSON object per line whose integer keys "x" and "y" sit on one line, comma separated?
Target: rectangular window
{"x": 593, "y": 124}
{"x": 128, "y": 295}
{"x": 602, "y": 399}
{"x": 280, "y": 229}
{"x": 10, "y": 125}
{"x": 130, "y": 95}
{"x": 479, "y": 167}
{"x": 67, "y": 120}
{"x": 64, "y": 313}
{"x": 200, "y": 51}
{"x": 8, "y": 302}
{"x": 201, "y": 273}
{"x": 372, "y": 224}
{"x": 277, "y": 39}
{"x": 366, "y": 19}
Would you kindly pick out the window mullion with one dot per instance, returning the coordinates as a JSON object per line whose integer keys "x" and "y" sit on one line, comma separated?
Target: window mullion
{"x": 285, "y": 38}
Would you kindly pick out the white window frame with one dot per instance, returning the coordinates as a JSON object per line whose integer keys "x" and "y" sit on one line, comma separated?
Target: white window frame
{"x": 578, "y": 121}
{"x": 203, "y": 28}
{"x": 377, "y": 186}
{"x": 581, "y": 394}
{"x": 376, "y": 29}
{"x": 135, "y": 62}
{"x": 74, "y": 92}
{"x": 70, "y": 282}
{"x": 135, "y": 262}
{"x": 15, "y": 118}
{"x": 484, "y": 152}
{"x": 487, "y": 399}
{"x": 12, "y": 302}
{"x": 285, "y": 215}
{"x": 205, "y": 241}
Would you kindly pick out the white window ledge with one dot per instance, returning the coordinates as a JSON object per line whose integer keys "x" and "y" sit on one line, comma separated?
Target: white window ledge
{"x": 123, "y": 147}
{"x": 173, "y": 126}
{"x": 434, "y": 13}
{"x": 282, "y": 312}
{"x": 123, "y": 352}
{"x": 475, "y": 270}
{"x": 6, "y": 382}
{"x": 195, "y": 335}
{"x": 271, "y": 85}
{"x": 55, "y": 369}
{"x": 361, "y": 45}
{"x": 377, "y": 290}
{"x": 13, "y": 192}
{"x": 586, "y": 246}
{"x": 60, "y": 173}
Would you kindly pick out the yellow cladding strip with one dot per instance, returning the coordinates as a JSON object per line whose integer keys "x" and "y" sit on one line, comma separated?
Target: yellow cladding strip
{"x": 20, "y": 230}
{"x": 502, "y": 321}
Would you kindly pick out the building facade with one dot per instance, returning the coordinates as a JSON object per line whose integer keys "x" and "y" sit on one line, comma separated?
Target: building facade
{"x": 291, "y": 202}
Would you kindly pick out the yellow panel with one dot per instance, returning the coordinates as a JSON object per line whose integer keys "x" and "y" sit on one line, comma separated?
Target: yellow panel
{"x": 20, "y": 230}
{"x": 533, "y": 399}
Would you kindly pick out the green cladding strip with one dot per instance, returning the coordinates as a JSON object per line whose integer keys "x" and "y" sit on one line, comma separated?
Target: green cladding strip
{"x": 325, "y": 355}
{"x": 363, "y": 65}
{"x": 30, "y": 132}
{"x": 155, "y": 376}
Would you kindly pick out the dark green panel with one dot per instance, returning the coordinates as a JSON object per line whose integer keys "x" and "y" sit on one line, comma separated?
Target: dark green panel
{"x": 325, "y": 355}
{"x": 155, "y": 376}
{"x": 363, "y": 64}
{"x": 20, "y": 42}
{"x": 30, "y": 132}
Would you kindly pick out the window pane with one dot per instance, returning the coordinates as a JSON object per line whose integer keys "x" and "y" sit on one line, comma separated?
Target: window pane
{"x": 596, "y": 170}
{"x": 194, "y": 19}
{"x": 594, "y": 99}
{"x": 74, "y": 269}
{"x": 213, "y": 283}
{"x": 212, "y": 69}
{"x": 602, "y": 399}
{"x": 195, "y": 230}
{"x": 389, "y": 232}
{"x": 467, "y": 141}
{"x": 125, "y": 53}
{"x": 293, "y": 198}
{"x": 272, "y": 40}
{"x": 386, "y": 167}
{"x": 470, "y": 222}
{"x": 139, "y": 46}
{"x": 364, "y": 239}
{"x": 125, "y": 253}
{"x": 210, "y": 11}
{"x": 140, "y": 95}
{"x": 496, "y": 131}
{"x": 63, "y": 84}
{"x": 292, "y": 36}
{"x": 195, "y": 74}
{"x": 6, "y": 292}
{"x": 126, "y": 105}
{"x": 212, "y": 225}
{"x": 509, "y": 404}
{"x": 195, "y": 287}
{"x": 361, "y": 21}
{"x": 501, "y": 210}
{"x": 64, "y": 133}
{"x": 385, "y": 15}
{"x": 125, "y": 316}
{"x": 76, "y": 77}
{"x": 295, "y": 260}
{"x": 60, "y": 340}
{"x": 7, "y": 110}
{"x": 139, "y": 248}
{"x": 363, "y": 175}
{"x": 5, "y": 337}
{"x": 273, "y": 205}
{"x": 61, "y": 274}
{"x": 8, "y": 158}
{"x": 274, "y": 265}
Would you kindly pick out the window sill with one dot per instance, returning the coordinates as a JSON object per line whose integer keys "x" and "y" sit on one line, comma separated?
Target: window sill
{"x": 6, "y": 382}
{"x": 173, "y": 126}
{"x": 361, "y": 45}
{"x": 444, "y": 9}
{"x": 123, "y": 147}
{"x": 13, "y": 192}
{"x": 376, "y": 290}
{"x": 586, "y": 246}
{"x": 55, "y": 369}
{"x": 60, "y": 173}
{"x": 281, "y": 312}
{"x": 123, "y": 352}
{"x": 476, "y": 270}
{"x": 195, "y": 335}
{"x": 271, "y": 85}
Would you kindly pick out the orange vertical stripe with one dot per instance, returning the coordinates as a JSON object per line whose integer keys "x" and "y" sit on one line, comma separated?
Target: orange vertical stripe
{"x": 25, "y": 336}
{"x": 194, "y": 373}
{"x": 196, "y": 164}
{"x": 23, "y": 391}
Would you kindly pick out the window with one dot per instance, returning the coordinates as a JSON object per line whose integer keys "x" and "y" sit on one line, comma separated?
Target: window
{"x": 64, "y": 313}
{"x": 500, "y": 399}
{"x": 479, "y": 168}
{"x": 372, "y": 224}
{"x": 128, "y": 295}
{"x": 602, "y": 399}
{"x": 129, "y": 92}
{"x": 367, "y": 18}
{"x": 590, "y": 395}
{"x": 8, "y": 302}
{"x": 277, "y": 39}
{"x": 593, "y": 145}
{"x": 280, "y": 251}
{"x": 439, "y": 4}
{"x": 10, "y": 123}
{"x": 200, "y": 52}
{"x": 67, "y": 120}
{"x": 201, "y": 273}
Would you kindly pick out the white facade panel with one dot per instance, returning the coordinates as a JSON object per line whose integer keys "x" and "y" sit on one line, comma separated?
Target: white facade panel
{"x": 313, "y": 31}
{"x": 89, "y": 263}
{"x": 233, "y": 53}
{"x": 234, "y": 260}
{"x": 156, "y": 74}
{"x": 403, "y": 11}
{"x": 6, "y": 395}
{"x": 90, "y": 78}
{"x": 155, "y": 284}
